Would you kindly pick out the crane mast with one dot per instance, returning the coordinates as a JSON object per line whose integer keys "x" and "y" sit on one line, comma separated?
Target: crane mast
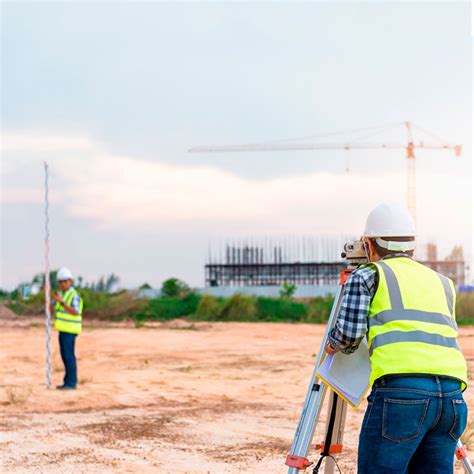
{"x": 411, "y": 173}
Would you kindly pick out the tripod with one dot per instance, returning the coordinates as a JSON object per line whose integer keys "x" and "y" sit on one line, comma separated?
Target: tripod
{"x": 297, "y": 459}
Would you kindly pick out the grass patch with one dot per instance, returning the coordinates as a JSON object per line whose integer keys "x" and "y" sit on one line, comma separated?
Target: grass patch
{"x": 18, "y": 395}
{"x": 185, "y": 369}
{"x": 139, "y": 323}
{"x": 209, "y": 308}
{"x": 319, "y": 309}
{"x": 239, "y": 308}
{"x": 190, "y": 327}
{"x": 20, "y": 308}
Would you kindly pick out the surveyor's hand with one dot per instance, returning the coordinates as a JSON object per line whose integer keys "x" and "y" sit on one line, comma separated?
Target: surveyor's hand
{"x": 58, "y": 298}
{"x": 328, "y": 349}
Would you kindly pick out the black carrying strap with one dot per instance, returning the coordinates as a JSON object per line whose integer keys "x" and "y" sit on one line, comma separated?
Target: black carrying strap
{"x": 329, "y": 432}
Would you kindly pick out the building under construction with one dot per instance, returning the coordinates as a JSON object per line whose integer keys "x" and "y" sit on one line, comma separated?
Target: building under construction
{"x": 303, "y": 261}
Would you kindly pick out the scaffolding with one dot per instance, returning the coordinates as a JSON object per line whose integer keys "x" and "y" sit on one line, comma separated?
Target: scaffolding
{"x": 300, "y": 261}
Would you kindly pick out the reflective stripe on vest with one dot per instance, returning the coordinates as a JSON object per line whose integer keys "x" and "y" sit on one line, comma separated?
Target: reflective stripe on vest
{"x": 412, "y": 328}
{"x": 412, "y": 315}
{"x": 412, "y": 336}
{"x": 67, "y": 322}
{"x": 448, "y": 292}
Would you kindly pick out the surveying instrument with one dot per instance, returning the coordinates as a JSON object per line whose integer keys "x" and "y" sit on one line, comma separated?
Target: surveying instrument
{"x": 355, "y": 255}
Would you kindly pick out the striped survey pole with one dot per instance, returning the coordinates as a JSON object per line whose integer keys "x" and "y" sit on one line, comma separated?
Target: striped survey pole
{"x": 47, "y": 286}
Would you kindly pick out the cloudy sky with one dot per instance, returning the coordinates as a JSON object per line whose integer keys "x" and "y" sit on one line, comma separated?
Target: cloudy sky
{"x": 113, "y": 94}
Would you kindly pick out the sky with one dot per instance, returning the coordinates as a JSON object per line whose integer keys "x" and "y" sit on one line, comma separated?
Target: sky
{"x": 113, "y": 94}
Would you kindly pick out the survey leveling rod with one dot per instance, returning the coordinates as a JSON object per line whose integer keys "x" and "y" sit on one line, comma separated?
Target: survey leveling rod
{"x": 47, "y": 289}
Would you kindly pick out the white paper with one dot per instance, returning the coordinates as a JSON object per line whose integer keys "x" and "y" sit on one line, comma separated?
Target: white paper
{"x": 348, "y": 374}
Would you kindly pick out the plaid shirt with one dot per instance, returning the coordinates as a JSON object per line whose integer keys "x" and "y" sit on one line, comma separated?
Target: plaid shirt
{"x": 352, "y": 321}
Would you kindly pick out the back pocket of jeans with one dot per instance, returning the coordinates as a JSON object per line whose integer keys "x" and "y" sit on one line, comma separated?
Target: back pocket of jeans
{"x": 460, "y": 418}
{"x": 402, "y": 419}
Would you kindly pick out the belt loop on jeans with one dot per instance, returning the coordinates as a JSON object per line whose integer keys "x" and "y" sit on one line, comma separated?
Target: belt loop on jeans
{"x": 438, "y": 386}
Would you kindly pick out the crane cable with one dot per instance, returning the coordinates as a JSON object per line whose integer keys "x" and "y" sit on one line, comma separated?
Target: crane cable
{"x": 378, "y": 129}
{"x": 431, "y": 134}
{"x": 373, "y": 131}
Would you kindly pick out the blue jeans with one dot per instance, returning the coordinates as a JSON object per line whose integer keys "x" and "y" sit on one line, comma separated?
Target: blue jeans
{"x": 412, "y": 425}
{"x": 66, "y": 345}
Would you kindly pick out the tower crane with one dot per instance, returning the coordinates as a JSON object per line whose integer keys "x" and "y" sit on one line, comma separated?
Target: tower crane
{"x": 300, "y": 144}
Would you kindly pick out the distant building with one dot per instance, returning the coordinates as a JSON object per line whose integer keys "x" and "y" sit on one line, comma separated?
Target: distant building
{"x": 247, "y": 267}
{"x": 148, "y": 293}
{"x": 29, "y": 289}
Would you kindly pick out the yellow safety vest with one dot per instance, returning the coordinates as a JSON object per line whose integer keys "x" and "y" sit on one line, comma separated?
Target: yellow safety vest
{"x": 67, "y": 322}
{"x": 412, "y": 326}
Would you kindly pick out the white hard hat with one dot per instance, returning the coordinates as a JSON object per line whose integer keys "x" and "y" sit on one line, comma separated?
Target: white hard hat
{"x": 389, "y": 220}
{"x": 64, "y": 274}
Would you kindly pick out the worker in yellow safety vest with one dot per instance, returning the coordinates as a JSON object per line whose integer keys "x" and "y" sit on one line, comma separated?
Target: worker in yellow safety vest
{"x": 416, "y": 412}
{"x": 68, "y": 321}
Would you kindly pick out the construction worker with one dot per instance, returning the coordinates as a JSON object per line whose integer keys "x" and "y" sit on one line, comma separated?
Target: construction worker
{"x": 416, "y": 412}
{"x": 68, "y": 321}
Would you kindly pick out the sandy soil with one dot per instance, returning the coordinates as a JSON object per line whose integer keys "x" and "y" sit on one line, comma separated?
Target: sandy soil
{"x": 175, "y": 397}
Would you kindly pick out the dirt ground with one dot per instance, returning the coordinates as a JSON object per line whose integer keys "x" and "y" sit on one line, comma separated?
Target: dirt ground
{"x": 175, "y": 397}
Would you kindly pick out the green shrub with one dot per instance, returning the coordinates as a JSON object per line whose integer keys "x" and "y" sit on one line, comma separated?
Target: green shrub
{"x": 209, "y": 308}
{"x": 97, "y": 304}
{"x": 173, "y": 287}
{"x": 94, "y": 301}
{"x": 319, "y": 309}
{"x": 33, "y": 305}
{"x": 465, "y": 308}
{"x": 287, "y": 290}
{"x": 18, "y": 307}
{"x": 109, "y": 306}
{"x": 239, "y": 308}
{"x": 162, "y": 309}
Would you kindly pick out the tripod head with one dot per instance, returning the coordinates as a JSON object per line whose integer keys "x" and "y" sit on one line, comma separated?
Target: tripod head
{"x": 354, "y": 253}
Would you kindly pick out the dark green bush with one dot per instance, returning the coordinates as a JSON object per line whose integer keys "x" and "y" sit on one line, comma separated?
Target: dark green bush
{"x": 275, "y": 309}
{"x": 174, "y": 287}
